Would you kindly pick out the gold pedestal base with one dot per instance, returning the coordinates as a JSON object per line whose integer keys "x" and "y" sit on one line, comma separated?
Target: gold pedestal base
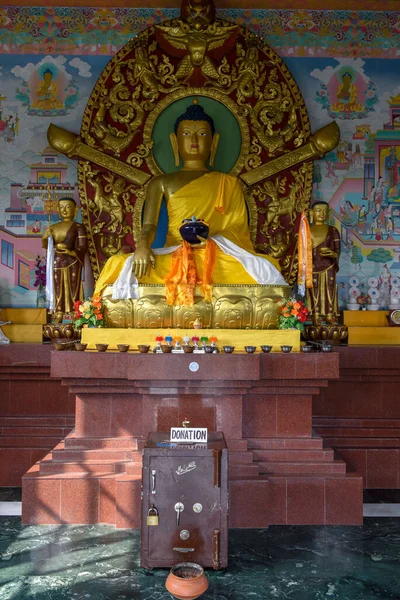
{"x": 232, "y": 307}
{"x": 332, "y": 333}
{"x": 60, "y": 331}
{"x": 226, "y": 337}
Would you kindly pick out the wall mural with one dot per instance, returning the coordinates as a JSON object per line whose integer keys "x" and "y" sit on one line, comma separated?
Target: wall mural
{"x": 347, "y": 65}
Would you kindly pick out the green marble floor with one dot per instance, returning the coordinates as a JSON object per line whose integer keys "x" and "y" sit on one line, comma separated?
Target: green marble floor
{"x": 291, "y": 563}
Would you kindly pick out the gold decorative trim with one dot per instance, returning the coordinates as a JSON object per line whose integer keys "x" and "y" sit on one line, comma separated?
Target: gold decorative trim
{"x": 207, "y": 93}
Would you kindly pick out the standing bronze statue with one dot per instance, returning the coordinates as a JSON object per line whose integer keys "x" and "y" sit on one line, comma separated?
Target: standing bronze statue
{"x": 69, "y": 245}
{"x": 322, "y": 298}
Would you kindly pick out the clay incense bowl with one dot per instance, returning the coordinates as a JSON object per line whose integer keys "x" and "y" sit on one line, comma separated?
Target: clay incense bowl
{"x": 188, "y": 349}
{"x": 186, "y": 581}
{"x": 166, "y": 349}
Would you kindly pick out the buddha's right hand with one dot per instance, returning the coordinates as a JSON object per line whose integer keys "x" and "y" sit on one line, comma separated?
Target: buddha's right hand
{"x": 142, "y": 259}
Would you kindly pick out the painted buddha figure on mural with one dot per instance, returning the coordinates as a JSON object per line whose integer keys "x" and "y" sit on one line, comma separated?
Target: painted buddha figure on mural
{"x": 226, "y": 257}
{"x": 47, "y": 94}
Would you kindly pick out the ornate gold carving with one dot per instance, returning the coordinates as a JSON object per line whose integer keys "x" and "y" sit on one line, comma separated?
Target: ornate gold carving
{"x": 110, "y": 199}
{"x": 198, "y": 13}
{"x": 72, "y": 146}
{"x": 322, "y": 142}
{"x": 232, "y": 306}
{"x": 333, "y": 333}
{"x": 60, "y": 331}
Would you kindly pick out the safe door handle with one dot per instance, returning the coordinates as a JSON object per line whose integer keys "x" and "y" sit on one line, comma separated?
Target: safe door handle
{"x": 153, "y": 481}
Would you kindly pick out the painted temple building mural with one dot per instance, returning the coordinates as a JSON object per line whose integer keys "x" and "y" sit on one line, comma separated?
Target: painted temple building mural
{"x": 354, "y": 80}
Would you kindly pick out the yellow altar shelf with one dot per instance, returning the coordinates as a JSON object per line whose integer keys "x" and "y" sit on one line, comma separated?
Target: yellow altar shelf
{"x": 26, "y": 324}
{"x": 374, "y": 336}
{"x": 365, "y": 318}
{"x": 226, "y": 337}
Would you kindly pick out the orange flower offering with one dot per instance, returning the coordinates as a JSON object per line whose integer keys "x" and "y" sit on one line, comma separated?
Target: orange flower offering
{"x": 293, "y": 314}
{"x": 89, "y": 313}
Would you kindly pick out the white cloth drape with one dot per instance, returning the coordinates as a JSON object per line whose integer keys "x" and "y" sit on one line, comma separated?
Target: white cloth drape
{"x": 260, "y": 269}
{"x": 50, "y": 272}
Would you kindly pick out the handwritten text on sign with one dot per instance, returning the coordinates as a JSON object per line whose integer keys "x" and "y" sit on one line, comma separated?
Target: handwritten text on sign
{"x": 195, "y": 435}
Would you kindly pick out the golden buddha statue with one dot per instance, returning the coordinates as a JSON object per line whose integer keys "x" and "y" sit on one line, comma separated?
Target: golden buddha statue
{"x": 322, "y": 297}
{"x": 65, "y": 253}
{"x": 226, "y": 257}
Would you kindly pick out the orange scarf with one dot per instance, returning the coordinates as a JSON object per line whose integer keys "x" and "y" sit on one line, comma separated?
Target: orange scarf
{"x": 183, "y": 277}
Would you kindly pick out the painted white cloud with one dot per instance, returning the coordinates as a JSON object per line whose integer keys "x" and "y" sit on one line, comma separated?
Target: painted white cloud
{"x": 326, "y": 74}
{"x": 82, "y": 66}
{"x": 26, "y": 72}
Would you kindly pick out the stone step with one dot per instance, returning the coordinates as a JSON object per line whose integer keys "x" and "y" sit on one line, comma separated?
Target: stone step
{"x": 90, "y": 467}
{"x": 237, "y": 458}
{"x": 251, "y": 469}
{"x": 127, "y": 443}
{"x": 342, "y": 422}
{"x": 289, "y": 443}
{"x": 28, "y": 442}
{"x": 342, "y": 442}
{"x": 133, "y": 468}
{"x": 34, "y": 431}
{"x": 383, "y": 432}
{"x": 59, "y": 455}
{"x": 338, "y": 467}
{"x": 236, "y": 445}
{"x": 37, "y": 421}
{"x": 293, "y": 455}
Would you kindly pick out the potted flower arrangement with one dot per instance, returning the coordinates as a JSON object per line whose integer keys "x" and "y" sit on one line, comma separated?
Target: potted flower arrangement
{"x": 89, "y": 313}
{"x": 293, "y": 314}
{"x": 363, "y": 300}
{"x": 40, "y": 281}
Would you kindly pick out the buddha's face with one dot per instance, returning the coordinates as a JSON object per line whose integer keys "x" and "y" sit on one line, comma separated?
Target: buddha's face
{"x": 66, "y": 209}
{"x": 320, "y": 213}
{"x": 194, "y": 140}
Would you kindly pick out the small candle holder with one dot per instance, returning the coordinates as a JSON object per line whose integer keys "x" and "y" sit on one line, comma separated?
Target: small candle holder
{"x": 159, "y": 340}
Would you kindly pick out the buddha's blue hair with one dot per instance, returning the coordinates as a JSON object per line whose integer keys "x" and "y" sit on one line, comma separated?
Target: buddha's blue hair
{"x": 195, "y": 112}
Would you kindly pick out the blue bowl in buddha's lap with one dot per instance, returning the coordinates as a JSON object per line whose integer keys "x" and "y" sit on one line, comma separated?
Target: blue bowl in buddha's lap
{"x": 190, "y": 230}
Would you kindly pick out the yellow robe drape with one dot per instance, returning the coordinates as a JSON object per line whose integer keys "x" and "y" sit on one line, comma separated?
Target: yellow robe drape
{"x": 218, "y": 199}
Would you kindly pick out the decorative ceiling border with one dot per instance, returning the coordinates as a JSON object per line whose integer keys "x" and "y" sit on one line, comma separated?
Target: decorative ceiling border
{"x": 291, "y": 32}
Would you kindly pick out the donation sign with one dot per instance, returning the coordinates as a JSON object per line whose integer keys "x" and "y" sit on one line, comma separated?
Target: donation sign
{"x": 189, "y": 435}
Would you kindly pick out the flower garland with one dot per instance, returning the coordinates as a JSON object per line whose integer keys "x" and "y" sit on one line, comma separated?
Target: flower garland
{"x": 293, "y": 314}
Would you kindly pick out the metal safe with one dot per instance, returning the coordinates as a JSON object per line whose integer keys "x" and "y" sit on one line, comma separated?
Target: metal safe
{"x": 184, "y": 502}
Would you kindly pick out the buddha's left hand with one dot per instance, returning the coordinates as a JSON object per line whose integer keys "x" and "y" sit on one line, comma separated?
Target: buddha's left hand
{"x": 328, "y": 252}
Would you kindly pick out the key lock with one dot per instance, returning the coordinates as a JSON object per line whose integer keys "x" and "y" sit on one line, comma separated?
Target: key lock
{"x": 179, "y": 507}
{"x": 152, "y": 516}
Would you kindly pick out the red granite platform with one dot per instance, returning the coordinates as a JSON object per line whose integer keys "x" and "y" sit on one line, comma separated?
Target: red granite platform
{"x": 279, "y": 470}
{"x": 36, "y": 412}
{"x": 359, "y": 415}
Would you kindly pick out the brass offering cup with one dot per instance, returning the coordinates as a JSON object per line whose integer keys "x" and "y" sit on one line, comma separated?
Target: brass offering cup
{"x": 250, "y": 349}
{"x": 101, "y": 347}
{"x": 143, "y": 348}
{"x": 266, "y": 349}
{"x": 123, "y": 347}
{"x": 286, "y": 349}
{"x": 229, "y": 349}
{"x": 80, "y": 347}
{"x": 188, "y": 349}
{"x": 166, "y": 349}
{"x": 58, "y": 346}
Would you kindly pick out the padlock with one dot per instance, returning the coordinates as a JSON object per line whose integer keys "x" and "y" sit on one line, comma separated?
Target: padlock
{"x": 152, "y": 516}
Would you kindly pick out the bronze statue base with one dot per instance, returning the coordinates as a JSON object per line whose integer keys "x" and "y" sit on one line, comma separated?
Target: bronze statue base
{"x": 330, "y": 332}
{"x": 232, "y": 307}
{"x": 60, "y": 331}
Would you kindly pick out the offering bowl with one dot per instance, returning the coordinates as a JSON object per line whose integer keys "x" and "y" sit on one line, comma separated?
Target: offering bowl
{"x": 266, "y": 349}
{"x": 286, "y": 349}
{"x": 80, "y": 347}
{"x": 306, "y": 348}
{"x": 229, "y": 349}
{"x": 101, "y": 347}
{"x": 188, "y": 349}
{"x": 143, "y": 348}
{"x": 59, "y": 346}
{"x": 250, "y": 349}
{"x": 326, "y": 348}
{"x": 166, "y": 349}
{"x": 208, "y": 349}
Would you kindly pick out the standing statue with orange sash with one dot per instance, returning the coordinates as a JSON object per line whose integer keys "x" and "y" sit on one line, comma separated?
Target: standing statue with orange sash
{"x": 227, "y": 256}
